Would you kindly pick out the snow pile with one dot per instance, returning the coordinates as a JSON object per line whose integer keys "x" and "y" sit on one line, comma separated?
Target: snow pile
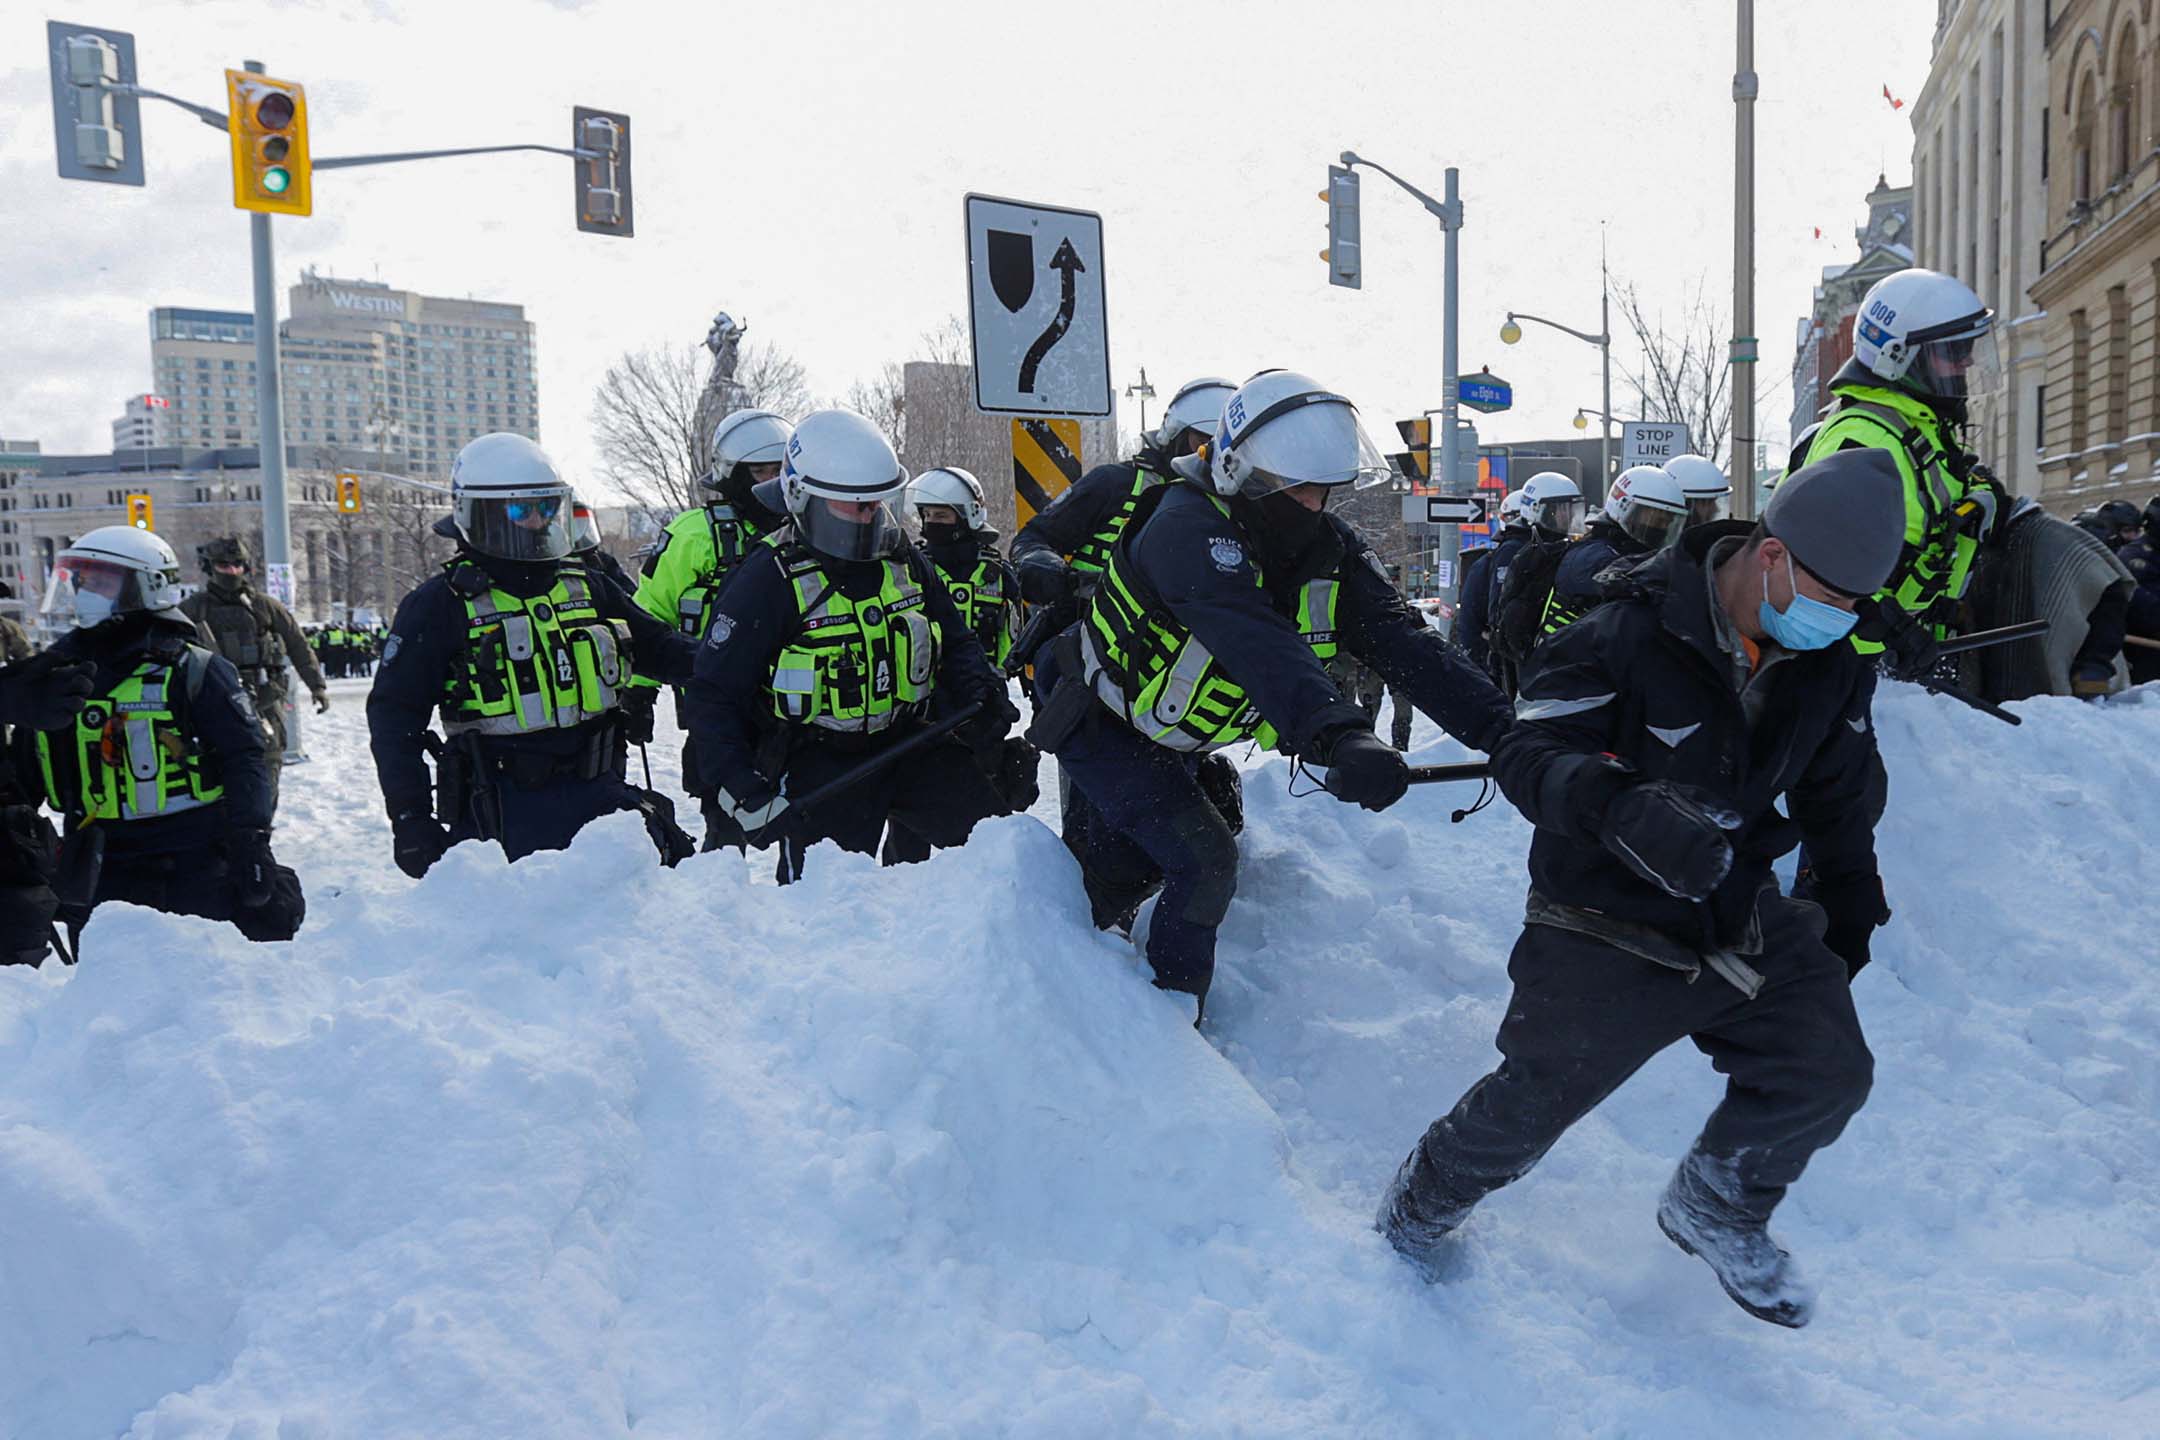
{"x": 581, "y": 1148}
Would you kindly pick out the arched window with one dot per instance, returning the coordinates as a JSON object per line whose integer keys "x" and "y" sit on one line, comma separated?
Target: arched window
{"x": 2125, "y": 135}
{"x": 2082, "y": 122}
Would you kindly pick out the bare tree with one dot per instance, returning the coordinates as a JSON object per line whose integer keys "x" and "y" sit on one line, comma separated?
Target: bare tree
{"x": 882, "y": 400}
{"x": 1683, "y": 377}
{"x": 646, "y": 418}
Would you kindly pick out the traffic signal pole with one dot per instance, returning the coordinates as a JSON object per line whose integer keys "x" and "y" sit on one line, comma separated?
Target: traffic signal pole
{"x": 270, "y": 440}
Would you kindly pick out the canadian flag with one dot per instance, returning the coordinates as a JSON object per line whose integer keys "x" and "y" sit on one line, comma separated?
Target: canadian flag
{"x": 1895, "y": 103}
{"x": 157, "y": 402}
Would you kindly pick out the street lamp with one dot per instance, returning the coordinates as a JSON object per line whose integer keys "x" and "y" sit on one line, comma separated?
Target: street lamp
{"x": 1511, "y": 334}
{"x": 1145, "y": 392}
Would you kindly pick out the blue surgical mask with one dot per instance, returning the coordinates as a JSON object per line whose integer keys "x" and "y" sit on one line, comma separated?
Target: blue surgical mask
{"x": 1806, "y": 624}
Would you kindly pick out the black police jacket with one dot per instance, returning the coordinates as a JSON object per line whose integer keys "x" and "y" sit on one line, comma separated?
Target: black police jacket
{"x": 1200, "y": 565}
{"x": 728, "y": 706}
{"x": 220, "y": 719}
{"x": 1082, "y": 512}
{"x": 1644, "y": 679}
{"x": 423, "y": 650}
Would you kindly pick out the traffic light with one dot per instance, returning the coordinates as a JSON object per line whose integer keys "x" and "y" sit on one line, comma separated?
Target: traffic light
{"x": 1342, "y": 227}
{"x": 1415, "y": 461}
{"x": 601, "y": 172}
{"x": 348, "y": 494}
{"x": 139, "y": 513}
{"x": 267, "y": 120}
{"x": 97, "y": 127}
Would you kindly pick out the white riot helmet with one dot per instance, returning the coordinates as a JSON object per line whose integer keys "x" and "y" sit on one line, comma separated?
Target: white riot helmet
{"x": 1198, "y": 405}
{"x": 1706, "y": 487}
{"x": 1926, "y": 333}
{"x": 1280, "y": 430}
{"x": 746, "y": 437}
{"x": 1551, "y": 502}
{"x": 838, "y": 482}
{"x": 584, "y": 527}
{"x": 509, "y": 500}
{"x": 950, "y": 485}
{"x": 1648, "y": 503}
{"x": 112, "y": 571}
{"x": 1511, "y": 509}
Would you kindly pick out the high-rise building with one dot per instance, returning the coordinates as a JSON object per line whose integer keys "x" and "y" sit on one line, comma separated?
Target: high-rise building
{"x": 147, "y": 421}
{"x": 363, "y": 366}
{"x": 1980, "y": 167}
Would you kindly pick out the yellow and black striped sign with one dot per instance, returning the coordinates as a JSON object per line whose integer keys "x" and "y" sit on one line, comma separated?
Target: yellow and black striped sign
{"x": 1046, "y": 459}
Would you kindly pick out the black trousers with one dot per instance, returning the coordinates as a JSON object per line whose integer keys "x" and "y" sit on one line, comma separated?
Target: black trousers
{"x": 1585, "y": 1016}
{"x": 931, "y": 799}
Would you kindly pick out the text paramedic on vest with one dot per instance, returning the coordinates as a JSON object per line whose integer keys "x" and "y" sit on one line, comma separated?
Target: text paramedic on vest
{"x": 958, "y": 540}
{"x": 699, "y": 551}
{"x": 525, "y": 654}
{"x": 161, "y": 777}
{"x": 831, "y": 645}
{"x": 38, "y": 692}
{"x": 1645, "y": 511}
{"x": 1922, "y": 343}
{"x": 1652, "y": 742}
{"x": 1217, "y": 614}
{"x": 259, "y": 636}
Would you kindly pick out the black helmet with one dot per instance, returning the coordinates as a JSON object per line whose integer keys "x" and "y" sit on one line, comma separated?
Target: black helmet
{"x": 225, "y": 550}
{"x": 2152, "y": 519}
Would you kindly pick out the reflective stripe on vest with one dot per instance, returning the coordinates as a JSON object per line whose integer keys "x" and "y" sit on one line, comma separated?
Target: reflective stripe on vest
{"x": 128, "y": 759}
{"x": 1093, "y": 554}
{"x": 1159, "y": 677}
{"x": 549, "y": 663}
{"x": 732, "y": 539}
{"x": 985, "y": 607}
{"x": 854, "y": 665}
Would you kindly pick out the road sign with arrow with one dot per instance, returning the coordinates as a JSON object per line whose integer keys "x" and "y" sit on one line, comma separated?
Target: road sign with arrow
{"x": 1443, "y": 509}
{"x": 1035, "y": 308}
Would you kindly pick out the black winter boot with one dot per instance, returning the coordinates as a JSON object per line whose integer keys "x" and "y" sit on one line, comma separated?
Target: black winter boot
{"x": 1759, "y": 1276}
{"x": 1417, "y": 1228}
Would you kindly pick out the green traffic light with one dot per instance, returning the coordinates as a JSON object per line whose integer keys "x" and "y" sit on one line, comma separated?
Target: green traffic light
{"x": 277, "y": 180}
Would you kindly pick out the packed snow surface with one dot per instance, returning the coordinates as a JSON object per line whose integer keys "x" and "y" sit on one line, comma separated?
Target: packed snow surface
{"x": 583, "y": 1148}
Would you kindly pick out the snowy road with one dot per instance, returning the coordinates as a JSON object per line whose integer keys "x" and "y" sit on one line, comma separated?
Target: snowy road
{"x": 582, "y": 1148}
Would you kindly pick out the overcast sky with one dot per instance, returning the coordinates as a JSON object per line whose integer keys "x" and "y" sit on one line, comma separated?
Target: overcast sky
{"x": 802, "y": 166}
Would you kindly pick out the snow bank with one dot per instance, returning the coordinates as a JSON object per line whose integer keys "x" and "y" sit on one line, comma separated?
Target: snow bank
{"x": 581, "y": 1148}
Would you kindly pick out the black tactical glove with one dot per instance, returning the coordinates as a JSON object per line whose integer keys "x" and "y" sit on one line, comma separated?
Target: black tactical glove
{"x": 1044, "y": 578}
{"x": 417, "y": 841}
{"x": 1910, "y": 651}
{"x": 1364, "y": 769}
{"x": 252, "y": 866}
{"x": 988, "y": 728}
{"x": 1671, "y": 836}
{"x": 43, "y": 692}
{"x": 2090, "y": 679}
{"x": 638, "y": 704}
{"x": 1856, "y": 907}
{"x": 1224, "y": 788}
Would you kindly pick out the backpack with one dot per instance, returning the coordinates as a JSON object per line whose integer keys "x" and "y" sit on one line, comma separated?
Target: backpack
{"x": 1518, "y": 616}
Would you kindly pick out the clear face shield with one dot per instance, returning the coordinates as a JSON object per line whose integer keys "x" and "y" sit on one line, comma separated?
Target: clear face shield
{"x": 1703, "y": 509}
{"x": 1560, "y": 516}
{"x": 1958, "y": 368}
{"x": 847, "y": 529}
{"x": 1313, "y": 444}
{"x": 86, "y": 591}
{"x": 584, "y": 529}
{"x": 519, "y": 527}
{"x": 1655, "y": 529}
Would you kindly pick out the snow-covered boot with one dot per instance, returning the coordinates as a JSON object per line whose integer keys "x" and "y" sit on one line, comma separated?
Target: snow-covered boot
{"x": 1416, "y": 1228}
{"x": 1759, "y": 1276}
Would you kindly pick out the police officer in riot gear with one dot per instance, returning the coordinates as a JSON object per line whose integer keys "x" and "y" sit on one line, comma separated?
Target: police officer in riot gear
{"x": 832, "y": 645}
{"x": 526, "y": 655}
{"x": 161, "y": 777}
{"x": 1215, "y": 618}
{"x": 697, "y": 554}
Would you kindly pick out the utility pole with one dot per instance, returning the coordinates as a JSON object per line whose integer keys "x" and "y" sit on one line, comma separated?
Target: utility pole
{"x": 1449, "y": 212}
{"x": 1744, "y": 88}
